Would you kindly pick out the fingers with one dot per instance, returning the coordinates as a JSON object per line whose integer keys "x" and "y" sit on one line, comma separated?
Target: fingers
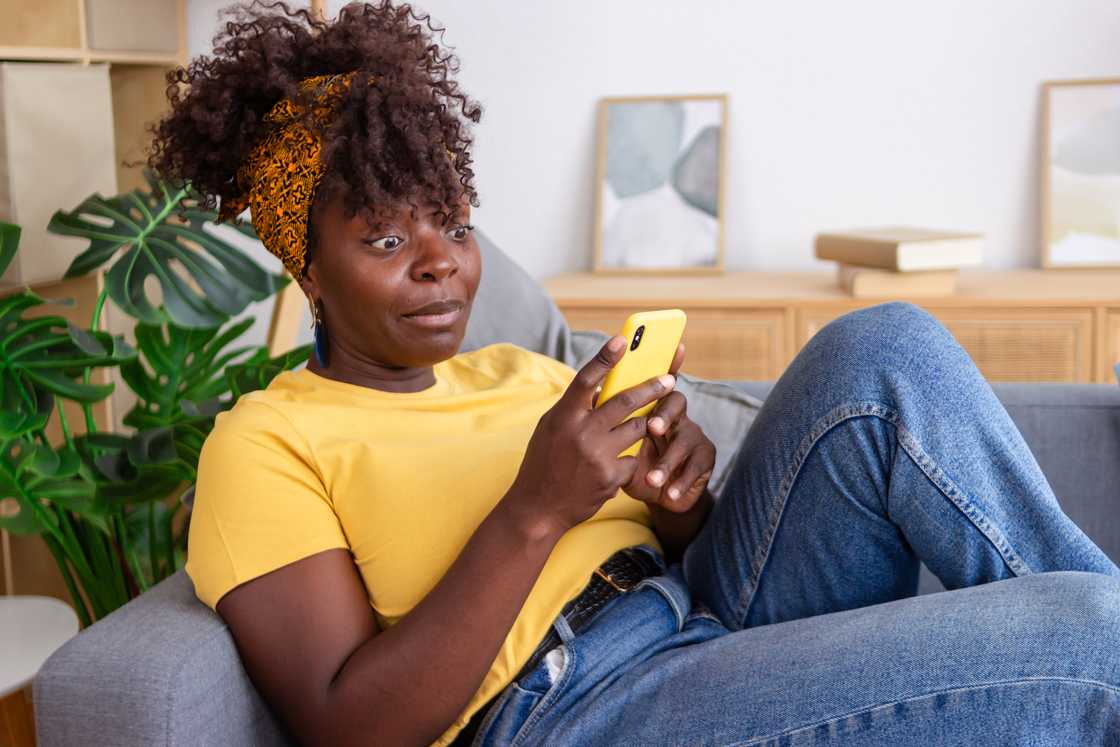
{"x": 668, "y": 412}
{"x": 675, "y": 455}
{"x": 623, "y": 404}
{"x": 626, "y": 466}
{"x": 698, "y": 467}
{"x": 678, "y": 359}
{"x": 582, "y": 389}
{"x": 627, "y": 432}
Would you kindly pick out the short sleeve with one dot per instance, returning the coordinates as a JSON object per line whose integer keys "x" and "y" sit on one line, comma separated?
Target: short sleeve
{"x": 259, "y": 502}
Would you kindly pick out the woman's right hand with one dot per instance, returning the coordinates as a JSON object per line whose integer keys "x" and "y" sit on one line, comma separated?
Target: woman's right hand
{"x": 571, "y": 466}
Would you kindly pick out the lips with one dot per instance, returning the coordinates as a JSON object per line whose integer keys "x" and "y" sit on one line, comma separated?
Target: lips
{"x": 438, "y": 307}
{"x": 438, "y": 315}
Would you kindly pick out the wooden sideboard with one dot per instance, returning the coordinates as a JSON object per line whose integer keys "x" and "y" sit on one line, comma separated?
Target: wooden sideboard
{"x": 1018, "y": 325}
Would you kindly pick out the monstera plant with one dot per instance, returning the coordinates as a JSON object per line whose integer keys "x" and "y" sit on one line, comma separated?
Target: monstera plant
{"x": 106, "y": 503}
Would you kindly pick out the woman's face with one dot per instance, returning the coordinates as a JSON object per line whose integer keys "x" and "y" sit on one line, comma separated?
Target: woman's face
{"x": 370, "y": 279}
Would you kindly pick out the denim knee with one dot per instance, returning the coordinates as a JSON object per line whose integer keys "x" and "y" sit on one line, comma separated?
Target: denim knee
{"x": 1087, "y": 606}
{"x": 895, "y": 319}
{"x": 1096, "y": 599}
{"x": 883, "y": 330}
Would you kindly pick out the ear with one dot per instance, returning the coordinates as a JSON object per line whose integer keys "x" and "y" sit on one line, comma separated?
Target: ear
{"x": 310, "y": 283}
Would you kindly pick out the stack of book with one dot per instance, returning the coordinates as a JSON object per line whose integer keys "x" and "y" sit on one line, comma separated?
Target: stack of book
{"x": 900, "y": 261}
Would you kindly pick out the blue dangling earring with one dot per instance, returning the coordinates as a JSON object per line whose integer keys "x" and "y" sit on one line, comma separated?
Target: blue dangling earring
{"x": 320, "y": 335}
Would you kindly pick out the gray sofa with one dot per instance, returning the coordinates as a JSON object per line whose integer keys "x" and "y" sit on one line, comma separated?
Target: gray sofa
{"x": 164, "y": 670}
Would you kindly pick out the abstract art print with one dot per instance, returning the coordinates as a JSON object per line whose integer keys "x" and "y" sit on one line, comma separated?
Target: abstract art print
{"x": 1080, "y": 191}
{"x": 660, "y": 184}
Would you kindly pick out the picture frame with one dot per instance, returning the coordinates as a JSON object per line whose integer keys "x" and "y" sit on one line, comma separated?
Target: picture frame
{"x": 1080, "y": 174}
{"x": 660, "y": 184}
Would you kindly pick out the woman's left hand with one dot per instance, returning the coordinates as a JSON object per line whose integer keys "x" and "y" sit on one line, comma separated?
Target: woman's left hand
{"x": 675, "y": 455}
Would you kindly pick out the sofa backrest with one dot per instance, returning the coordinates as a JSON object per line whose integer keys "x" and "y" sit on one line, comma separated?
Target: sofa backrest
{"x": 1073, "y": 430}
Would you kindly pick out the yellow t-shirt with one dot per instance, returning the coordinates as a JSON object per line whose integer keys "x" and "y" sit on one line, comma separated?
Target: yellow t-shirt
{"x": 401, "y": 479}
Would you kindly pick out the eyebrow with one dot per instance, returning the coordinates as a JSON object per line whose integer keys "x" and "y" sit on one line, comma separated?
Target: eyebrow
{"x": 380, "y": 223}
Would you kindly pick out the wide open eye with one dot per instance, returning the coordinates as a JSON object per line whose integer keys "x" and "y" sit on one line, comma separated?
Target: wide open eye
{"x": 378, "y": 243}
{"x": 462, "y": 231}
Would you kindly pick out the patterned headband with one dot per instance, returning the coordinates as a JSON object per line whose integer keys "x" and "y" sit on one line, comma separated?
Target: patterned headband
{"x": 280, "y": 174}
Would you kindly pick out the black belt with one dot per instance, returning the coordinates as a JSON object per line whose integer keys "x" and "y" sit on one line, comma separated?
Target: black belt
{"x": 617, "y": 575}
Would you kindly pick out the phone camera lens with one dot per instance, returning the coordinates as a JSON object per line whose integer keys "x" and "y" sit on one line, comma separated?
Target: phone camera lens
{"x": 637, "y": 337}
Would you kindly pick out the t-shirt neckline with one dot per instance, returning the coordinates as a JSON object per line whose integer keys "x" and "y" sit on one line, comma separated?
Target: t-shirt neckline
{"x": 441, "y": 385}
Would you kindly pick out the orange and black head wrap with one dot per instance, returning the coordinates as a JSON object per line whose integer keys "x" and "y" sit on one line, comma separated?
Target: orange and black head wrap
{"x": 278, "y": 178}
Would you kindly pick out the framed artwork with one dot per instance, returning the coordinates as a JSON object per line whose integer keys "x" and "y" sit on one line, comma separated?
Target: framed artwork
{"x": 660, "y": 184}
{"x": 1080, "y": 190}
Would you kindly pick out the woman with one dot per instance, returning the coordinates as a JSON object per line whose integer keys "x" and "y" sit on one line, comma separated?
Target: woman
{"x": 414, "y": 545}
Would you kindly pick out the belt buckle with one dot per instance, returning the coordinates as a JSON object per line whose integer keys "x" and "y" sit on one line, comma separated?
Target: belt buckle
{"x": 610, "y": 580}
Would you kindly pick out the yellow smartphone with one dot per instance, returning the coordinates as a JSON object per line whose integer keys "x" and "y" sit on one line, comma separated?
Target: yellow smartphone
{"x": 652, "y": 338}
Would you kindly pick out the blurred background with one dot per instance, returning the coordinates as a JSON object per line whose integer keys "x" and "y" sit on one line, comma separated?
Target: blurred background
{"x": 961, "y": 155}
{"x": 839, "y": 114}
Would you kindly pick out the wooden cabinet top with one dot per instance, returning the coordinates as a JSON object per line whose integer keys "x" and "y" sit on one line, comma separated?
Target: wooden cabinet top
{"x": 975, "y": 287}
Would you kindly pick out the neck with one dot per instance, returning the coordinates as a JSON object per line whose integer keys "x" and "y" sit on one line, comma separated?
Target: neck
{"x": 373, "y": 375}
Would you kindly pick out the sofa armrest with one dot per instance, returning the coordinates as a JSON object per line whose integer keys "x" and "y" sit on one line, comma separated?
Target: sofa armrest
{"x": 163, "y": 670}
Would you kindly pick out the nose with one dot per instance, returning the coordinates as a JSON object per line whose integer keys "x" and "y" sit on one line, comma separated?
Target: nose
{"x": 437, "y": 259}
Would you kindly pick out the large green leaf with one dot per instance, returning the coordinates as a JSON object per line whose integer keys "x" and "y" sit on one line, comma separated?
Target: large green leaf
{"x": 248, "y": 377}
{"x": 47, "y": 355}
{"x": 17, "y": 418}
{"x": 9, "y": 241}
{"x": 240, "y": 379}
{"x": 161, "y": 233}
{"x": 151, "y": 533}
{"x": 176, "y": 364}
{"x": 134, "y": 469}
{"x": 33, "y": 474}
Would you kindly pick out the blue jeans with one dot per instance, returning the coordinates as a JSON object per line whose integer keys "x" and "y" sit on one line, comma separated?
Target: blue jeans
{"x": 792, "y": 618}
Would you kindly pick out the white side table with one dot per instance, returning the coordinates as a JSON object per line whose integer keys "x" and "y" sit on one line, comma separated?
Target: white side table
{"x": 31, "y": 629}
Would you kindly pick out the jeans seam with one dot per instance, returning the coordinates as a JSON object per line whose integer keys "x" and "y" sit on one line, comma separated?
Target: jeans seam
{"x": 774, "y": 516}
{"x": 758, "y": 740}
{"x": 550, "y": 696}
{"x": 507, "y": 693}
{"x": 665, "y": 593}
{"x": 913, "y": 449}
{"x": 963, "y": 502}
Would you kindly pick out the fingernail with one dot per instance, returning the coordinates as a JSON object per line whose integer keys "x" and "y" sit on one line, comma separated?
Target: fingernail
{"x": 674, "y": 493}
{"x": 668, "y": 380}
{"x": 657, "y": 476}
{"x": 615, "y": 344}
{"x": 657, "y": 423}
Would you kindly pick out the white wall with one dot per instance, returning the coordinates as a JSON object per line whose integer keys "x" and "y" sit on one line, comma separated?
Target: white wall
{"x": 841, "y": 114}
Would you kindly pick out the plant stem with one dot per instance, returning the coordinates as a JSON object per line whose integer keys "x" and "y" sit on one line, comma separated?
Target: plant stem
{"x": 87, "y": 575}
{"x": 171, "y": 538}
{"x": 153, "y": 556}
{"x": 110, "y": 573}
{"x": 95, "y": 322}
{"x": 137, "y": 583}
{"x": 117, "y": 544}
{"x": 60, "y": 558}
{"x": 65, "y": 425}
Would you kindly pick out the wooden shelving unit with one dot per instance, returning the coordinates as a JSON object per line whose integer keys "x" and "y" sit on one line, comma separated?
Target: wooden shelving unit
{"x": 148, "y": 32}
{"x": 1018, "y": 325}
{"x": 141, "y": 40}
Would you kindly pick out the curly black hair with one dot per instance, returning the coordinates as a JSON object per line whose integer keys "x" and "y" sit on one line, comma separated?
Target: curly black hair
{"x": 385, "y": 145}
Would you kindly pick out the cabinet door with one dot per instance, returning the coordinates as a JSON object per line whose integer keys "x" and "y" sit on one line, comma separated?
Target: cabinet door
{"x": 1110, "y": 353}
{"x": 1006, "y": 344}
{"x": 719, "y": 343}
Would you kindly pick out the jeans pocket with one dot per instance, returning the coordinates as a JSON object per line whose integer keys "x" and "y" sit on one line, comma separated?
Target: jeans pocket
{"x": 700, "y": 611}
{"x": 510, "y": 712}
{"x": 525, "y": 700}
